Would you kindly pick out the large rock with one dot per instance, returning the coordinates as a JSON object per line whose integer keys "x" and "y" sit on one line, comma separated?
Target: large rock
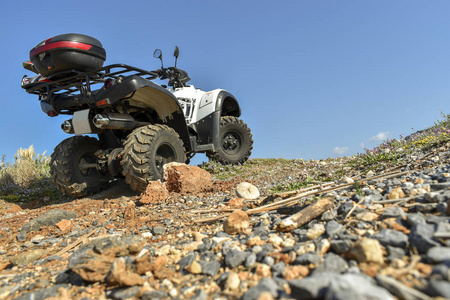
{"x": 51, "y": 217}
{"x": 26, "y": 258}
{"x": 123, "y": 273}
{"x": 185, "y": 179}
{"x": 156, "y": 192}
{"x": 93, "y": 261}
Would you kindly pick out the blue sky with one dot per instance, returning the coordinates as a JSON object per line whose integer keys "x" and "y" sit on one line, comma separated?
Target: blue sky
{"x": 315, "y": 79}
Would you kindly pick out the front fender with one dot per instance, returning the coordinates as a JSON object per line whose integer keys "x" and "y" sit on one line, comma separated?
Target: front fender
{"x": 227, "y": 104}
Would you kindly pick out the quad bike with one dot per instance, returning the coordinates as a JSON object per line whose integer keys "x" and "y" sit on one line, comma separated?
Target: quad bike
{"x": 140, "y": 125}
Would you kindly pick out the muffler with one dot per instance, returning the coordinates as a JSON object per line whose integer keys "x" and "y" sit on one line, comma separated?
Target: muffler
{"x": 115, "y": 121}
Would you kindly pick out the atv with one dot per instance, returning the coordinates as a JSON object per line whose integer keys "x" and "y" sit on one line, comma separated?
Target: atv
{"x": 140, "y": 125}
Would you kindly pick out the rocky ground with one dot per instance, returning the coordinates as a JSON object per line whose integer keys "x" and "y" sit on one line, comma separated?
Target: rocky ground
{"x": 349, "y": 231}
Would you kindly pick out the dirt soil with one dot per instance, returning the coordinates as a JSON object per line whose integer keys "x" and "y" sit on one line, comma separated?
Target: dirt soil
{"x": 174, "y": 223}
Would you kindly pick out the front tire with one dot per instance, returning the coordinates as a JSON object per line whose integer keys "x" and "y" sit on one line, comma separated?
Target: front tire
{"x": 68, "y": 167}
{"x": 236, "y": 142}
{"x": 146, "y": 150}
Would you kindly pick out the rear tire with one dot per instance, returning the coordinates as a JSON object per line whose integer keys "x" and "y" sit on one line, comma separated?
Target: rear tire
{"x": 67, "y": 170}
{"x": 236, "y": 142}
{"x": 146, "y": 150}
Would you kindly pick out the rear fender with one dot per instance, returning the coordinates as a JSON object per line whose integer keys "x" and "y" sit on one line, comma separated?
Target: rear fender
{"x": 146, "y": 94}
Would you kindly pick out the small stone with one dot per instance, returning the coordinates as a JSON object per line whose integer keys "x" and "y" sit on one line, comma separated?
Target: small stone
{"x": 198, "y": 236}
{"x": 392, "y": 212}
{"x": 64, "y": 225}
{"x": 232, "y": 282}
{"x": 123, "y": 273}
{"x": 268, "y": 260}
{"x": 439, "y": 254}
{"x": 390, "y": 237}
{"x": 154, "y": 295}
{"x": 265, "y": 285}
{"x": 333, "y": 227}
{"x": 275, "y": 239}
{"x": 235, "y": 202}
{"x": 295, "y": 272}
{"x": 421, "y": 237}
{"x": 366, "y": 216}
{"x": 263, "y": 270}
{"x": 419, "y": 181}
{"x": 5, "y": 291}
{"x": 37, "y": 239}
{"x": 278, "y": 268}
{"x": 236, "y": 223}
{"x": 432, "y": 197}
{"x": 186, "y": 260}
{"x": 22, "y": 236}
{"x": 155, "y": 193}
{"x": 395, "y": 253}
{"x": 439, "y": 288}
{"x": 304, "y": 248}
{"x": 396, "y": 193}
{"x": 331, "y": 263}
{"x": 265, "y": 296}
{"x": 250, "y": 260}
{"x": 309, "y": 258}
{"x": 288, "y": 243}
{"x": 159, "y": 230}
{"x": 234, "y": 258}
{"x": 355, "y": 286}
{"x": 400, "y": 290}
{"x": 57, "y": 291}
{"x": 347, "y": 180}
{"x": 312, "y": 287}
{"x": 126, "y": 293}
{"x": 316, "y": 231}
{"x": 247, "y": 191}
{"x": 341, "y": 246}
{"x": 323, "y": 246}
{"x": 367, "y": 250}
{"x": 194, "y": 268}
{"x": 210, "y": 268}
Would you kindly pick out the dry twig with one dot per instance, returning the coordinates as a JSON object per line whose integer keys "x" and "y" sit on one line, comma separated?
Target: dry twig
{"x": 304, "y": 216}
{"x": 76, "y": 243}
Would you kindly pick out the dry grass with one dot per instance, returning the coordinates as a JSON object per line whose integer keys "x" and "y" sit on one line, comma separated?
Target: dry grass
{"x": 28, "y": 176}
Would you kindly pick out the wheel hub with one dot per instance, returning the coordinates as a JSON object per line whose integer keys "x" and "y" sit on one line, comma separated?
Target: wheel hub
{"x": 231, "y": 142}
{"x": 165, "y": 154}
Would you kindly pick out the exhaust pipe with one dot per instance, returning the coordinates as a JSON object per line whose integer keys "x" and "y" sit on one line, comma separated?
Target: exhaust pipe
{"x": 67, "y": 126}
{"x": 115, "y": 121}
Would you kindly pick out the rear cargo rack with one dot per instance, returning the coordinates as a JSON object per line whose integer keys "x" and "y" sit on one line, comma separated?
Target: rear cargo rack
{"x": 69, "y": 83}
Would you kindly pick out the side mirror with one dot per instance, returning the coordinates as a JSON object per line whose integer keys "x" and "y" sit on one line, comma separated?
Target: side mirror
{"x": 157, "y": 54}
{"x": 176, "y": 53}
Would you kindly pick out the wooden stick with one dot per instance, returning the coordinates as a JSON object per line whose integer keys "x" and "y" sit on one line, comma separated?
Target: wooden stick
{"x": 76, "y": 243}
{"x": 304, "y": 189}
{"x": 292, "y": 200}
{"x": 304, "y": 216}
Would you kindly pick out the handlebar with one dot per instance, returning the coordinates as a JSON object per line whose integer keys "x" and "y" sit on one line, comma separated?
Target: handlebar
{"x": 176, "y": 77}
